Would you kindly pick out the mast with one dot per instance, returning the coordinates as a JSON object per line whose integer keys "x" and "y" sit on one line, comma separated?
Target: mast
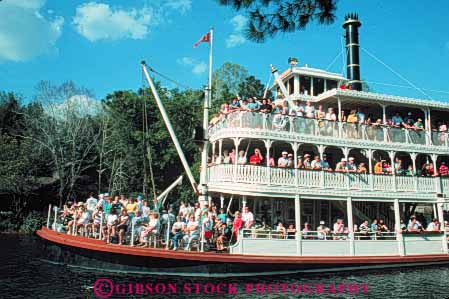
{"x": 207, "y": 102}
{"x": 170, "y": 129}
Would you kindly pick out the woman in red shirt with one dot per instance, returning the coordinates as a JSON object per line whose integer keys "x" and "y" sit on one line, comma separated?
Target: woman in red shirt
{"x": 257, "y": 158}
{"x": 238, "y": 223}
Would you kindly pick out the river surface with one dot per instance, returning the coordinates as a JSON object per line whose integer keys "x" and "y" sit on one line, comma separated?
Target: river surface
{"x": 24, "y": 275}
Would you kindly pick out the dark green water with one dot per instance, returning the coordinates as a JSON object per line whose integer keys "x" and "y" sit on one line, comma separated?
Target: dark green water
{"x": 24, "y": 275}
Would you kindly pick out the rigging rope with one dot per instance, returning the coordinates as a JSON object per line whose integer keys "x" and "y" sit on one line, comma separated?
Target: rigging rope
{"x": 405, "y": 86}
{"x": 334, "y": 60}
{"x": 168, "y": 78}
{"x": 396, "y": 73}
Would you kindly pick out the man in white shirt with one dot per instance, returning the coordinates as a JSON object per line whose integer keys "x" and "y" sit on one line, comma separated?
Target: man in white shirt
{"x": 247, "y": 217}
{"x": 91, "y": 203}
{"x": 283, "y": 160}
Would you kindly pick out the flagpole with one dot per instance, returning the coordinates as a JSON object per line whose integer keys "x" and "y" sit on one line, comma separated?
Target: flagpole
{"x": 203, "y": 199}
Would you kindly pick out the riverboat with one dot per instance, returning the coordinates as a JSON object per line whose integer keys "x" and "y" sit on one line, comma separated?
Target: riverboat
{"x": 296, "y": 195}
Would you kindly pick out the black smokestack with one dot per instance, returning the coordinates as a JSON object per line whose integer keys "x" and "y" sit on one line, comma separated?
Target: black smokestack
{"x": 352, "y": 25}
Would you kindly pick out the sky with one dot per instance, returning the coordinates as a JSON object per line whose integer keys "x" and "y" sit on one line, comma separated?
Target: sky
{"x": 99, "y": 44}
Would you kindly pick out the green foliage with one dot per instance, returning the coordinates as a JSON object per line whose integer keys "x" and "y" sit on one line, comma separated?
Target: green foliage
{"x": 251, "y": 87}
{"x": 269, "y": 17}
{"x": 32, "y": 222}
{"x": 63, "y": 145}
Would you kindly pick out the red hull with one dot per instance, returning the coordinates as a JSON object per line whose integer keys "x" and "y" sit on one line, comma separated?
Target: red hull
{"x": 97, "y": 245}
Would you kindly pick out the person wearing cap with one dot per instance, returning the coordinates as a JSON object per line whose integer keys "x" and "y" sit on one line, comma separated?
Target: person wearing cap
{"x": 322, "y": 231}
{"x": 257, "y": 158}
{"x": 307, "y": 161}
{"x": 351, "y": 166}
{"x": 283, "y": 160}
{"x": 341, "y": 166}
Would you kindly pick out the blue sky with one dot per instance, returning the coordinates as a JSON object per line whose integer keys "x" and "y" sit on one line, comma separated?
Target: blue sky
{"x": 99, "y": 44}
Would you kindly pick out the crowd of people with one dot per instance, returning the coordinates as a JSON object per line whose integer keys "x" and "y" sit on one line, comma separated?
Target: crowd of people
{"x": 121, "y": 220}
{"x": 307, "y": 161}
{"x": 308, "y": 110}
{"x": 133, "y": 221}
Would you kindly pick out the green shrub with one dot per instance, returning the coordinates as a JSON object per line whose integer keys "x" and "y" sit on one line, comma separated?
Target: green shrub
{"x": 32, "y": 222}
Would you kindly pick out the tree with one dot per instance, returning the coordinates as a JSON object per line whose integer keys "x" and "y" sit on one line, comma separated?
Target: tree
{"x": 67, "y": 130}
{"x": 268, "y": 17}
{"x": 251, "y": 87}
{"x": 227, "y": 78}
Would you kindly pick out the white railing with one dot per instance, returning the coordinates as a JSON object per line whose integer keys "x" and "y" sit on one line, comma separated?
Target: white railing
{"x": 262, "y": 233}
{"x": 252, "y": 174}
{"x": 314, "y": 127}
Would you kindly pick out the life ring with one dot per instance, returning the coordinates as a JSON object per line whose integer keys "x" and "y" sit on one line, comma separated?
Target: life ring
{"x": 279, "y": 122}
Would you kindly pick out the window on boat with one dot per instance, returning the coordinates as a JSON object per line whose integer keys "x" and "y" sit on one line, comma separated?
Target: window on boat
{"x": 318, "y": 86}
{"x": 304, "y": 83}
{"x": 331, "y": 84}
{"x": 291, "y": 85}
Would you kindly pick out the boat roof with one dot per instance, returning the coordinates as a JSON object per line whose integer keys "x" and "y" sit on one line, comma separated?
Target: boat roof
{"x": 364, "y": 96}
{"x": 313, "y": 72}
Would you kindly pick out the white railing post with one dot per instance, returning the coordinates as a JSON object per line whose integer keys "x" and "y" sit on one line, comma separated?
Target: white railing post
{"x": 74, "y": 232}
{"x": 202, "y": 237}
{"x": 350, "y": 225}
{"x": 397, "y": 228}
{"x": 48, "y": 216}
{"x": 132, "y": 232}
{"x": 56, "y": 216}
{"x": 167, "y": 238}
{"x": 101, "y": 227}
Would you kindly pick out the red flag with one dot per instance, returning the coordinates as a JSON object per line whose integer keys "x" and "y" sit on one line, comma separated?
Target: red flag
{"x": 204, "y": 39}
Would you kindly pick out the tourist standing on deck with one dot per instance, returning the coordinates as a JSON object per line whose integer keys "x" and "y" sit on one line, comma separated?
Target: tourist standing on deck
{"x": 247, "y": 218}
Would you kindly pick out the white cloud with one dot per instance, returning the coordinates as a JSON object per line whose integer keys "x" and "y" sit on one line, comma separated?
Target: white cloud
{"x": 182, "y": 6}
{"x": 234, "y": 40}
{"x": 237, "y": 38}
{"x": 239, "y": 22}
{"x": 198, "y": 67}
{"x": 98, "y": 21}
{"x": 24, "y": 32}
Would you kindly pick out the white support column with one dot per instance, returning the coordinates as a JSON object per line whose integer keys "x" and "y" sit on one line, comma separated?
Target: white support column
{"x": 340, "y": 124}
{"x": 350, "y": 225}
{"x": 213, "y": 151}
{"x": 397, "y": 228}
{"x": 243, "y": 202}
{"x": 384, "y": 114}
{"x": 392, "y": 154}
{"x": 48, "y": 216}
{"x": 312, "y": 92}
{"x": 268, "y": 144}
{"x": 442, "y": 226}
{"x": 321, "y": 149}
{"x": 298, "y": 224}
{"x": 236, "y": 144}
{"x": 434, "y": 158}
{"x": 426, "y": 127}
{"x": 413, "y": 157}
{"x": 221, "y": 201}
{"x": 296, "y": 84}
{"x": 220, "y": 149}
{"x": 295, "y": 147}
{"x": 370, "y": 153}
